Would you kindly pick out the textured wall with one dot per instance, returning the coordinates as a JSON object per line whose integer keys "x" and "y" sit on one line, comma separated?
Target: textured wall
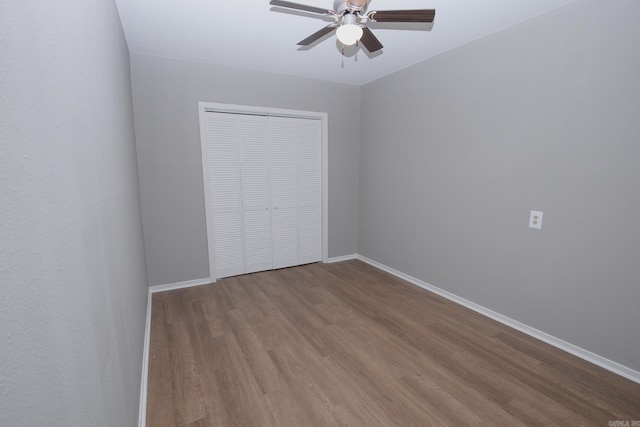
{"x": 543, "y": 116}
{"x": 72, "y": 276}
{"x": 166, "y": 94}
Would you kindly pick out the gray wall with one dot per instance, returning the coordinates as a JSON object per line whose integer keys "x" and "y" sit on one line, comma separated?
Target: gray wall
{"x": 166, "y": 93}
{"x": 72, "y": 277}
{"x": 456, "y": 151}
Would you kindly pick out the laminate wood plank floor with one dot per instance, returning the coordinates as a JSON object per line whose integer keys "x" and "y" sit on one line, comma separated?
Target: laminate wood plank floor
{"x": 346, "y": 344}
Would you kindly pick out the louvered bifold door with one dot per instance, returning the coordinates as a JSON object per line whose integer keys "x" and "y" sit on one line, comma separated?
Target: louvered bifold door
{"x": 254, "y": 165}
{"x": 224, "y": 185}
{"x": 309, "y": 191}
{"x": 284, "y": 191}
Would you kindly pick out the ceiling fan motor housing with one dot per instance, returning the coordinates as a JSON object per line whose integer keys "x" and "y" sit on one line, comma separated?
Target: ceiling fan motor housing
{"x": 342, "y": 6}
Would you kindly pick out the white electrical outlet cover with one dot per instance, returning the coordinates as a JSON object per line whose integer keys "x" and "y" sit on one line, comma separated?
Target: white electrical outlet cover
{"x": 535, "y": 220}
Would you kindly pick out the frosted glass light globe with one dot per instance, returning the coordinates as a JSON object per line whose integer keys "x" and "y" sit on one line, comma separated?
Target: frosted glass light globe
{"x": 349, "y": 34}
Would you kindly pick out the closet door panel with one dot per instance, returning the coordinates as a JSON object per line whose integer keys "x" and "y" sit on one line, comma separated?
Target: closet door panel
{"x": 264, "y": 199}
{"x": 284, "y": 191}
{"x": 285, "y": 244}
{"x": 309, "y": 235}
{"x": 309, "y": 191}
{"x": 228, "y": 244}
{"x": 254, "y": 161}
{"x": 224, "y": 185}
{"x": 254, "y": 149}
{"x": 258, "y": 250}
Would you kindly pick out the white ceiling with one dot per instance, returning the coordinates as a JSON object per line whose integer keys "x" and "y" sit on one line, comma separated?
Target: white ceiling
{"x": 252, "y": 34}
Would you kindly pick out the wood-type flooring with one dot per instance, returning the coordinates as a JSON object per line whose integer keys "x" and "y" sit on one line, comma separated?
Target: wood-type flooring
{"x": 347, "y": 344}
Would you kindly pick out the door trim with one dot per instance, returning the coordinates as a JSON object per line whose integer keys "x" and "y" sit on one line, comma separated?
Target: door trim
{"x": 211, "y": 107}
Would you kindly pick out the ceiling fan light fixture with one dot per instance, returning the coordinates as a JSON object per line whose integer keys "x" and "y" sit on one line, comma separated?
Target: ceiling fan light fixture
{"x": 349, "y": 32}
{"x": 351, "y": 19}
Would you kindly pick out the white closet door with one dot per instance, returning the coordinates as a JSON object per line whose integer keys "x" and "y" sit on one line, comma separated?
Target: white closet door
{"x": 224, "y": 184}
{"x": 284, "y": 191}
{"x": 309, "y": 191}
{"x": 254, "y": 164}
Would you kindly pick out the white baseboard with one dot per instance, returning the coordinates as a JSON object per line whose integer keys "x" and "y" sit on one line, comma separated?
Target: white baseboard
{"x": 596, "y": 359}
{"x": 180, "y": 285}
{"x": 342, "y": 258}
{"x": 142, "y": 411}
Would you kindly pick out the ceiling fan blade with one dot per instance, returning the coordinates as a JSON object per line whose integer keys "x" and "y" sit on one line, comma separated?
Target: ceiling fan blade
{"x": 417, "y": 15}
{"x": 370, "y": 41}
{"x": 317, "y": 35}
{"x": 299, "y": 6}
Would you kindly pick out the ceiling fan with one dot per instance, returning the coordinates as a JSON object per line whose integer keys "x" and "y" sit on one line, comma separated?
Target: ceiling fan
{"x": 351, "y": 19}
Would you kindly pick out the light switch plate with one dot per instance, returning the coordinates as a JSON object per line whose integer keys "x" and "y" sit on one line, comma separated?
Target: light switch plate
{"x": 535, "y": 220}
